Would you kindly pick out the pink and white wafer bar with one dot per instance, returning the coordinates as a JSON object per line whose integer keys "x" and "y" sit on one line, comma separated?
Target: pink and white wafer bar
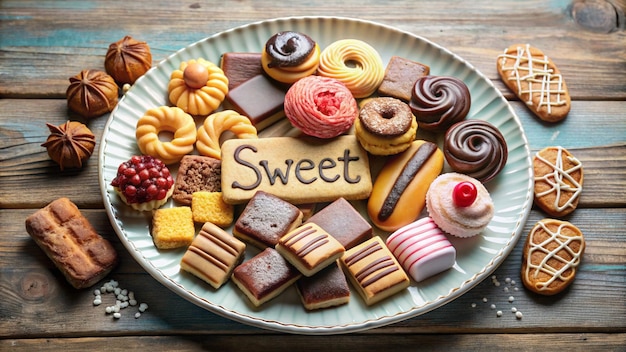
{"x": 320, "y": 107}
{"x": 422, "y": 249}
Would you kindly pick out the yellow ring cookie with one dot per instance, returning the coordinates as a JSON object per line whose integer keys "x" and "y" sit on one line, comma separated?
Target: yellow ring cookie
{"x": 198, "y": 91}
{"x": 171, "y": 119}
{"x": 355, "y": 63}
{"x": 214, "y": 125}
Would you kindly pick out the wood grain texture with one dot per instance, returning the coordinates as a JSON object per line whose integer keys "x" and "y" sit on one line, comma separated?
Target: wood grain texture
{"x": 356, "y": 342}
{"x": 477, "y": 31}
{"x": 30, "y": 285}
{"x": 43, "y": 43}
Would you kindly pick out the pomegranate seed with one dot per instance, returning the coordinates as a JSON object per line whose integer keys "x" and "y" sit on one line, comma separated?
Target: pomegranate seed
{"x": 130, "y": 190}
{"x": 135, "y": 180}
{"x": 152, "y": 190}
{"x": 161, "y": 182}
{"x": 129, "y": 172}
{"x": 144, "y": 174}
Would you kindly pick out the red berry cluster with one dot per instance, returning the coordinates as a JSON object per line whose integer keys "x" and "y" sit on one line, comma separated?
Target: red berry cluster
{"x": 143, "y": 179}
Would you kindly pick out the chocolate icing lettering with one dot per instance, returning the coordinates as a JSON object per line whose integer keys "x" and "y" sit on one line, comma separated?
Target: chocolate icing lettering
{"x": 301, "y": 165}
{"x": 309, "y": 165}
{"x": 346, "y": 160}
{"x": 238, "y": 159}
{"x": 277, "y": 172}
{"x": 331, "y": 165}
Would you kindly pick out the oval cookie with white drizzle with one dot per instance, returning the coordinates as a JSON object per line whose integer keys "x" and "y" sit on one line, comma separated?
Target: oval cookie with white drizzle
{"x": 551, "y": 256}
{"x": 536, "y": 81}
{"x": 558, "y": 181}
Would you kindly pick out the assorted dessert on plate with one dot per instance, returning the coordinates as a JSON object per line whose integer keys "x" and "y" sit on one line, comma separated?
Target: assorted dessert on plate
{"x": 312, "y": 147}
{"x": 355, "y": 199}
{"x": 289, "y": 200}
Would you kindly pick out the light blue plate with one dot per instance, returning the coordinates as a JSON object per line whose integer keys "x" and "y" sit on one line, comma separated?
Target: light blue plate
{"x": 477, "y": 257}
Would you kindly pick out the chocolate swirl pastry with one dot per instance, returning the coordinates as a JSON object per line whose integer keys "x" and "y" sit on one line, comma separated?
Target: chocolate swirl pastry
{"x": 289, "y": 49}
{"x": 438, "y": 102}
{"x": 475, "y": 148}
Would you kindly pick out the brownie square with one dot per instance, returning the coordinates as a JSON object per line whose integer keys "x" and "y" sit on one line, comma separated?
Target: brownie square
{"x": 197, "y": 173}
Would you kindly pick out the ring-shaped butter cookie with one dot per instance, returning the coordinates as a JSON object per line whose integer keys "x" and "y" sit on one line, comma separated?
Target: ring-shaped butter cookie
{"x": 166, "y": 119}
{"x": 214, "y": 125}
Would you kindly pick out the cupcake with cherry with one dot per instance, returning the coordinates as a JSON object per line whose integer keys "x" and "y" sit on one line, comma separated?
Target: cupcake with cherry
{"x": 459, "y": 204}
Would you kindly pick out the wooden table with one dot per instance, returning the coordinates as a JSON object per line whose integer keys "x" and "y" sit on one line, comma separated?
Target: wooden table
{"x": 43, "y": 43}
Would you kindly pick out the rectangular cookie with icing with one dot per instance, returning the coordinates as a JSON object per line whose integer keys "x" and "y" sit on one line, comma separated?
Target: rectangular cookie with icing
{"x": 265, "y": 276}
{"x": 213, "y": 255}
{"x": 298, "y": 170}
{"x": 309, "y": 248}
{"x": 327, "y": 288}
{"x": 265, "y": 219}
{"x": 374, "y": 271}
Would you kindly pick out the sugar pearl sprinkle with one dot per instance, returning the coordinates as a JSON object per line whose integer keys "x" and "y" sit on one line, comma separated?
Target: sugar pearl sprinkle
{"x": 507, "y": 286}
{"x": 123, "y": 299}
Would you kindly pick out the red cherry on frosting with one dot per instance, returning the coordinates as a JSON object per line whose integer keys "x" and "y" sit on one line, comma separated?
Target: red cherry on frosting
{"x": 464, "y": 194}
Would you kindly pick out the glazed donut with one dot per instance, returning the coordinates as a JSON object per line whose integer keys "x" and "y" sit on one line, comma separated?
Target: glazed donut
{"x": 214, "y": 125}
{"x": 438, "y": 102}
{"x": 321, "y": 107}
{"x": 198, "y": 87}
{"x": 387, "y": 117}
{"x": 475, "y": 148}
{"x": 354, "y": 63}
{"x": 170, "y": 119}
{"x": 385, "y": 126}
{"x": 289, "y": 56}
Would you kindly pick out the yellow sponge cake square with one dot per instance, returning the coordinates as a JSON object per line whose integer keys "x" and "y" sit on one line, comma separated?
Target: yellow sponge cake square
{"x": 173, "y": 227}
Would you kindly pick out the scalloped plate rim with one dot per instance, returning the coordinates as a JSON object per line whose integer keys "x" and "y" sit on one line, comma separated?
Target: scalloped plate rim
{"x": 427, "y": 306}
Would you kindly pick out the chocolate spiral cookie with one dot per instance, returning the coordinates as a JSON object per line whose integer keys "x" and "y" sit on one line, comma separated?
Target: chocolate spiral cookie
{"x": 438, "y": 101}
{"x": 476, "y": 148}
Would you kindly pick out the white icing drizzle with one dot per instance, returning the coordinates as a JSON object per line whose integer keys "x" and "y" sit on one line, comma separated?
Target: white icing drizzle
{"x": 556, "y": 180}
{"x": 540, "y": 80}
{"x": 563, "y": 244}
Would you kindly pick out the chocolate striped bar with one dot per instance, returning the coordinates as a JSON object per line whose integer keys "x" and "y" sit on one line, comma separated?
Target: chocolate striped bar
{"x": 213, "y": 255}
{"x": 374, "y": 271}
{"x": 309, "y": 248}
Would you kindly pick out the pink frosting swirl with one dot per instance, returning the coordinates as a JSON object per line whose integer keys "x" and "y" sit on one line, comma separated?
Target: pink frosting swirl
{"x": 438, "y": 101}
{"x": 321, "y": 107}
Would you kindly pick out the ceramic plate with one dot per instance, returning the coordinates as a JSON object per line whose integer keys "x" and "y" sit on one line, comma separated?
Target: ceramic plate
{"x": 477, "y": 257}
